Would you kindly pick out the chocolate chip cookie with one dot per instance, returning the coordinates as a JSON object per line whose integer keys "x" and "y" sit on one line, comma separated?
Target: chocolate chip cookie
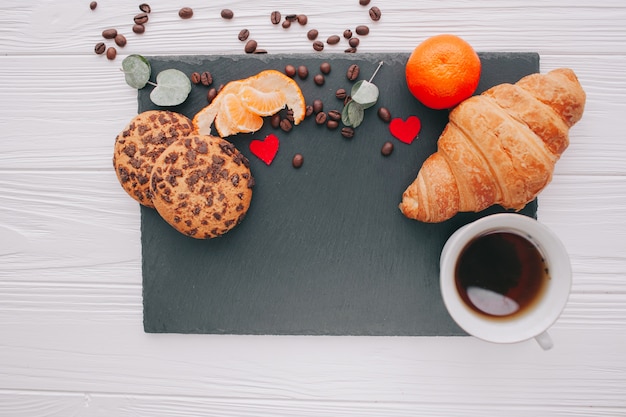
{"x": 139, "y": 145}
{"x": 202, "y": 186}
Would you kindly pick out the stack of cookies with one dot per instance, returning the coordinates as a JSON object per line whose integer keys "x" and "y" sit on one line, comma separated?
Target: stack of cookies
{"x": 201, "y": 185}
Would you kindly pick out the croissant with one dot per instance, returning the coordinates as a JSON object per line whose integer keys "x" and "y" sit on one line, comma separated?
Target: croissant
{"x": 499, "y": 147}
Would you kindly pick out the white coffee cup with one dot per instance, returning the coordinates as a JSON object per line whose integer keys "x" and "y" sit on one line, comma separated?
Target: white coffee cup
{"x": 547, "y": 306}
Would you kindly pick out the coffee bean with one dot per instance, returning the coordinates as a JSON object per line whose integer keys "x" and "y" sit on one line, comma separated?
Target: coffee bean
{"x": 275, "y": 121}
{"x": 347, "y": 132}
{"x": 243, "y": 35}
{"x": 325, "y": 68}
{"x": 211, "y": 94}
{"x": 341, "y": 93}
{"x": 312, "y": 34}
{"x": 320, "y": 118}
{"x": 250, "y": 46}
{"x": 120, "y": 40}
{"x": 289, "y": 115}
{"x": 334, "y": 115}
{"x": 347, "y": 33}
{"x": 375, "y": 14}
{"x": 350, "y": 50}
{"x": 290, "y": 71}
{"x": 384, "y": 114}
{"x": 275, "y": 17}
{"x": 195, "y": 77}
{"x": 206, "y": 78}
{"x": 93, "y": 5}
{"x": 100, "y": 48}
{"x": 303, "y": 19}
{"x": 286, "y": 125}
{"x": 309, "y": 111}
{"x": 291, "y": 17}
{"x": 297, "y": 160}
{"x": 139, "y": 29}
{"x": 318, "y": 106}
{"x": 286, "y": 24}
{"x": 333, "y": 40}
{"x": 260, "y": 51}
{"x": 364, "y": 2}
{"x": 318, "y": 46}
{"x": 362, "y": 30}
{"x": 111, "y": 53}
{"x": 145, "y": 7}
{"x": 347, "y": 100}
{"x": 227, "y": 14}
{"x": 109, "y": 33}
{"x": 141, "y": 18}
{"x": 332, "y": 124}
{"x": 387, "y": 148}
{"x": 353, "y": 72}
{"x": 303, "y": 72}
{"x": 354, "y": 42}
{"x": 319, "y": 79}
{"x": 185, "y": 13}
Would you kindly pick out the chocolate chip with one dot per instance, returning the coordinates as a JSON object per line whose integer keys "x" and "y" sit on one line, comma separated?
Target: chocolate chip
{"x": 185, "y": 13}
{"x": 297, "y": 160}
{"x": 387, "y": 148}
{"x": 243, "y": 34}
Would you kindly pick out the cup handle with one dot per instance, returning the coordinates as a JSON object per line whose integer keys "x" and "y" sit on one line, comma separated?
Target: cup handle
{"x": 545, "y": 341}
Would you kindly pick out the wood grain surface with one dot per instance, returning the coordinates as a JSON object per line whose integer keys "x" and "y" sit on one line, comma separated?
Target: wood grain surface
{"x": 71, "y": 337}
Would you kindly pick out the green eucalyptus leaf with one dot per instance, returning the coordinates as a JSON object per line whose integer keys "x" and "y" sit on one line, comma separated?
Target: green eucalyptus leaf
{"x": 173, "y": 87}
{"x": 352, "y": 114}
{"x": 136, "y": 71}
{"x": 365, "y": 93}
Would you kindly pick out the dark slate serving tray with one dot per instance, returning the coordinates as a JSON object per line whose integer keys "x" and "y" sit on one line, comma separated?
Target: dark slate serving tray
{"x": 324, "y": 249}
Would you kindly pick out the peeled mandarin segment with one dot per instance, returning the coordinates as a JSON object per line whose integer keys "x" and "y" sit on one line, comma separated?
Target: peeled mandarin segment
{"x": 204, "y": 119}
{"x": 272, "y": 81}
{"x": 260, "y": 102}
{"x": 235, "y": 118}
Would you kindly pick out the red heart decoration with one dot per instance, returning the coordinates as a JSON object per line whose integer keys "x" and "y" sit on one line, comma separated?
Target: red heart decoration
{"x": 265, "y": 149}
{"x": 405, "y": 131}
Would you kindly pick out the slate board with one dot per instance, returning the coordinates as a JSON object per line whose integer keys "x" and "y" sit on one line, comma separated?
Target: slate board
{"x": 324, "y": 249}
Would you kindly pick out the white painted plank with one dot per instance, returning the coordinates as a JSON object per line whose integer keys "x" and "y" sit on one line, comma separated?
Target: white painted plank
{"x": 71, "y": 120}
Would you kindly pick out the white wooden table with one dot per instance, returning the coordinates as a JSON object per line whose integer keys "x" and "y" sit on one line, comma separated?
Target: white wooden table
{"x": 71, "y": 337}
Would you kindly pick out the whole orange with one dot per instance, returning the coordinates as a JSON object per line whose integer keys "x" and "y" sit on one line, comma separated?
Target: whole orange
{"x": 442, "y": 71}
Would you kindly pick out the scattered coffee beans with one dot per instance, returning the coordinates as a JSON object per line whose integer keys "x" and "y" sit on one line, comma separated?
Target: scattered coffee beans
{"x": 302, "y": 19}
{"x": 120, "y": 40}
{"x": 141, "y": 18}
{"x": 139, "y": 29}
{"x": 353, "y": 72}
{"x": 332, "y": 124}
{"x": 109, "y": 33}
{"x": 100, "y": 48}
{"x": 297, "y": 160}
{"x": 318, "y": 46}
{"x": 364, "y": 2}
{"x": 362, "y": 30}
{"x": 286, "y": 125}
{"x": 185, "y": 13}
{"x": 286, "y": 24}
{"x": 347, "y": 33}
{"x": 387, "y": 148}
{"x": 375, "y": 13}
{"x": 333, "y": 40}
{"x": 275, "y": 17}
{"x": 290, "y": 70}
{"x": 354, "y": 42}
{"x": 206, "y": 78}
{"x": 93, "y": 5}
{"x": 341, "y": 93}
{"x": 320, "y": 118}
{"x": 243, "y": 35}
{"x": 229, "y": 14}
{"x": 111, "y": 52}
{"x": 319, "y": 79}
{"x": 211, "y": 94}
{"x": 325, "y": 68}
{"x": 275, "y": 121}
{"x": 318, "y": 106}
{"x": 312, "y": 34}
{"x": 145, "y": 7}
{"x": 195, "y": 77}
{"x": 347, "y": 132}
{"x": 250, "y": 46}
{"x": 384, "y": 114}
{"x": 334, "y": 115}
{"x": 303, "y": 72}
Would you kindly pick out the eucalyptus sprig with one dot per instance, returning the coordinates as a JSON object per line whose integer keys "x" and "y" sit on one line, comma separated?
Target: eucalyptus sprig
{"x": 364, "y": 94}
{"x": 172, "y": 86}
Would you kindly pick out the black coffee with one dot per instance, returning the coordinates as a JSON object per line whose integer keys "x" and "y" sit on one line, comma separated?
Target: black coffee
{"x": 501, "y": 275}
